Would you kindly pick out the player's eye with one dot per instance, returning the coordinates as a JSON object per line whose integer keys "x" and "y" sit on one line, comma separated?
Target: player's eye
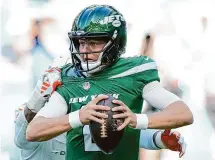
{"x": 93, "y": 44}
{"x": 82, "y": 43}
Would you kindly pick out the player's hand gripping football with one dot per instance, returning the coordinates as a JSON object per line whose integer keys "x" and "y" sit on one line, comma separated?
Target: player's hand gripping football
{"x": 174, "y": 141}
{"x": 128, "y": 116}
{"x": 90, "y": 112}
{"x": 44, "y": 88}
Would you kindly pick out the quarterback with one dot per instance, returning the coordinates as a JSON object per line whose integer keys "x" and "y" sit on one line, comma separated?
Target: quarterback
{"x": 98, "y": 39}
{"x": 56, "y": 147}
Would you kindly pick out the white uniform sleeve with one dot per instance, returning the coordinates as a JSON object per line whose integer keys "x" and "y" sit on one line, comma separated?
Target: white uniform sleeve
{"x": 157, "y": 96}
{"x": 20, "y": 133}
{"x": 55, "y": 107}
{"x": 146, "y": 139}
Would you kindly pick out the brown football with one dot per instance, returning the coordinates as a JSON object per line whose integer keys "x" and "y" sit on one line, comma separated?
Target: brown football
{"x": 106, "y": 136}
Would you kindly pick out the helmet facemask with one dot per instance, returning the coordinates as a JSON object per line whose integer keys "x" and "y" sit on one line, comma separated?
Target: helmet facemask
{"x": 107, "y": 55}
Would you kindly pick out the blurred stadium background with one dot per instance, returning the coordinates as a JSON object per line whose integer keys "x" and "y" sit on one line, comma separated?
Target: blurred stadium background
{"x": 178, "y": 34}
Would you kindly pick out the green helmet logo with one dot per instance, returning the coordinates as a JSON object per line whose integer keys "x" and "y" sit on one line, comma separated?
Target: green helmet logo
{"x": 98, "y": 21}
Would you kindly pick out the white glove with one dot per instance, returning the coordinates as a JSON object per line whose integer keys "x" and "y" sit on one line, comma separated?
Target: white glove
{"x": 44, "y": 88}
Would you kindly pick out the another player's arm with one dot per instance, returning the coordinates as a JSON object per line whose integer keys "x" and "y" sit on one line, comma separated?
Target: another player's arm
{"x": 21, "y": 123}
{"x": 43, "y": 89}
{"x": 53, "y": 120}
{"x": 146, "y": 139}
{"x": 157, "y": 139}
{"x": 36, "y": 101}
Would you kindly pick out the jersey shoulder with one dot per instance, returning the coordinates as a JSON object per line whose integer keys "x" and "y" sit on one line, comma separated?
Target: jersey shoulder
{"x": 142, "y": 69}
{"x": 65, "y": 69}
{"x": 147, "y": 69}
{"x": 137, "y": 60}
{"x": 131, "y": 66}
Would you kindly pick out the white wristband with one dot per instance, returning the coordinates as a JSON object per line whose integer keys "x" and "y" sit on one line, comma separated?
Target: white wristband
{"x": 158, "y": 141}
{"x": 74, "y": 119}
{"x": 142, "y": 121}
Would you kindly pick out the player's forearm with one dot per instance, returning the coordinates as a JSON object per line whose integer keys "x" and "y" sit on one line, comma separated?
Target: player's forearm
{"x": 42, "y": 129}
{"x": 175, "y": 115}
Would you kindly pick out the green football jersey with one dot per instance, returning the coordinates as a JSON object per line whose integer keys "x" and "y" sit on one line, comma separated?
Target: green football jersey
{"x": 125, "y": 81}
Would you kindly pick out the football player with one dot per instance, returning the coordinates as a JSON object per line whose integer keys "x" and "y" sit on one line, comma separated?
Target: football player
{"x": 98, "y": 39}
{"x": 56, "y": 148}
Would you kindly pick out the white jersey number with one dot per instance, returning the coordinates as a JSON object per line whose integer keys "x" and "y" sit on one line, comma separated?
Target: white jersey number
{"x": 88, "y": 141}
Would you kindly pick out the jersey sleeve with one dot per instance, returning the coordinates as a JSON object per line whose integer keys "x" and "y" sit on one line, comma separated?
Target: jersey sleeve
{"x": 55, "y": 107}
{"x": 20, "y": 140}
{"x": 63, "y": 92}
{"x": 157, "y": 96}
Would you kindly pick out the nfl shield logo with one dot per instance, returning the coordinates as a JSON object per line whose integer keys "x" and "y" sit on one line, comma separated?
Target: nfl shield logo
{"x": 86, "y": 85}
